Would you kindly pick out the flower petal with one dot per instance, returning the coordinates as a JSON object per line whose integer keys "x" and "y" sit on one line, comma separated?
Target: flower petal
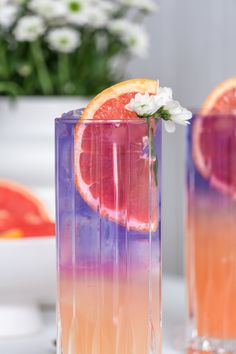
{"x": 170, "y": 126}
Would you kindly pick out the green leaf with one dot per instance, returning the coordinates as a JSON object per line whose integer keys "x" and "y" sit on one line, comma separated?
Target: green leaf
{"x": 10, "y": 88}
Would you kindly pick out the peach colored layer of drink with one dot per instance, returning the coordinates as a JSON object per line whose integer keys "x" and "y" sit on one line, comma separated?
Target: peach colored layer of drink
{"x": 211, "y": 266}
{"x": 104, "y": 317}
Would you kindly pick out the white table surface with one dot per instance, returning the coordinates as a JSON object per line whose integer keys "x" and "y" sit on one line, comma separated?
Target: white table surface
{"x": 173, "y": 324}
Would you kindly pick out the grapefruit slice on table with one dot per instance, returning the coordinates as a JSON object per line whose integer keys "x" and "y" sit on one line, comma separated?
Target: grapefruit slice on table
{"x": 214, "y": 138}
{"x": 111, "y": 171}
{"x": 21, "y": 213}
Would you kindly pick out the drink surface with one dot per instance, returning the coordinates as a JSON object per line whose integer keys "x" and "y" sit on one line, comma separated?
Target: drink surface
{"x": 109, "y": 272}
{"x": 211, "y": 232}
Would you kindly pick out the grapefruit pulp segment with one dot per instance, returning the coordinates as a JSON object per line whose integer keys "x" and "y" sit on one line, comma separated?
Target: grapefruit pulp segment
{"x": 214, "y": 138}
{"x": 111, "y": 173}
{"x": 20, "y": 210}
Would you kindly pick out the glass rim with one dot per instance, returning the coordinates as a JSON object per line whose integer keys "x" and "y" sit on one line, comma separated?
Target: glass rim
{"x": 233, "y": 115}
{"x": 102, "y": 121}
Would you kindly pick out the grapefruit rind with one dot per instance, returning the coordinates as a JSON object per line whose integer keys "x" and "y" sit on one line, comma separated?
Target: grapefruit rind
{"x": 216, "y": 94}
{"x": 137, "y": 85}
{"x": 197, "y": 154}
{"x": 12, "y": 234}
{"x": 133, "y": 85}
{"x": 19, "y": 189}
{"x": 38, "y": 218}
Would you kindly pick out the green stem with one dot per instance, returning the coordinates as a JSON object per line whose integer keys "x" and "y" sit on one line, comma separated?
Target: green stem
{"x": 41, "y": 67}
{"x": 10, "y": 88}
{"x": 4, "y": 70}
{"x": 162, "y": 113}
{"x": 63, "y": 71}
{"x": 153, "y": 153}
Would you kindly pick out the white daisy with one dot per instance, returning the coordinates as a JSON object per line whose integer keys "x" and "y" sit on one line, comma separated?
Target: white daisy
{"x": 76, "y": 11}
{"x": 178, "y": 115}
{"x": 64, "y": 39}
{"x": 95, "y": 17}
{"x": 8, "y": 14}
{"x": 117, "y": 27}
{"x": 108, "y": 6}
{"x": 29, "y": 28}
{"x": 164, "y": 96}
{"x": 162, "y": 106}
{"x": 143, "y": 105}
{"x": 144, "y": 5}
{"x": 138, "y": 41}
{"x": 49, "y": 9}
{"x": 132, "y": 35}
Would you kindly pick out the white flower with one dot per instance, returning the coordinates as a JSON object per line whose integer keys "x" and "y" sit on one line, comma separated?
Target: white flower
{"x": 138, "y": 41}
{"x": 75, "y": 11}
{"x": 132, "y": 35}
{"x": 87, "y": 12}
{"x": 144, "y": 5}
{"x": 163, "y": 96}
{"x": 118, "y": 27}
{"x": 8, "y": 14}
{"x": 49, "y": 9}
{"x": 108, "y": 6}
{"x": 143, "y": 105}
{"x": 178, "y": 115}
{"x": 64, "y": 39}
{"x": 18, "y": 2}
{"x": 95, "y": 17}
{"x": 162, "y": 106}
{"x": 29, "y": 28}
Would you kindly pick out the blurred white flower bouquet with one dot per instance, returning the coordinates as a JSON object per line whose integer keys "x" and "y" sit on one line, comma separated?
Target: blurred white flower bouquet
{"x": 68, "y": 47}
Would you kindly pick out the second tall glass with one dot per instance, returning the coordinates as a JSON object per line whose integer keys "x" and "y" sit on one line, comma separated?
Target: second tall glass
{"x": 211, "y": 233}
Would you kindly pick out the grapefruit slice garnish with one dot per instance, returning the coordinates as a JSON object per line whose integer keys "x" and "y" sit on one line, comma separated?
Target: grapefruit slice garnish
{"x": 222, "y": 100}
{"x": 12, "y": 234}
{"x": 214, "y": 138}
{"x": 21, "y": 213}
{"x": 111, "y": 171}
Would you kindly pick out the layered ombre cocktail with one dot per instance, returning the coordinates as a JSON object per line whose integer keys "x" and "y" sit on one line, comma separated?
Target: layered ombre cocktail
{"x": 211, "y": 232}
{"x": 108, "y": 235}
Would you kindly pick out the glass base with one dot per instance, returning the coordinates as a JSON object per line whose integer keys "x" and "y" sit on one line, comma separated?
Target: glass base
{"x": 212, "y": 345}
